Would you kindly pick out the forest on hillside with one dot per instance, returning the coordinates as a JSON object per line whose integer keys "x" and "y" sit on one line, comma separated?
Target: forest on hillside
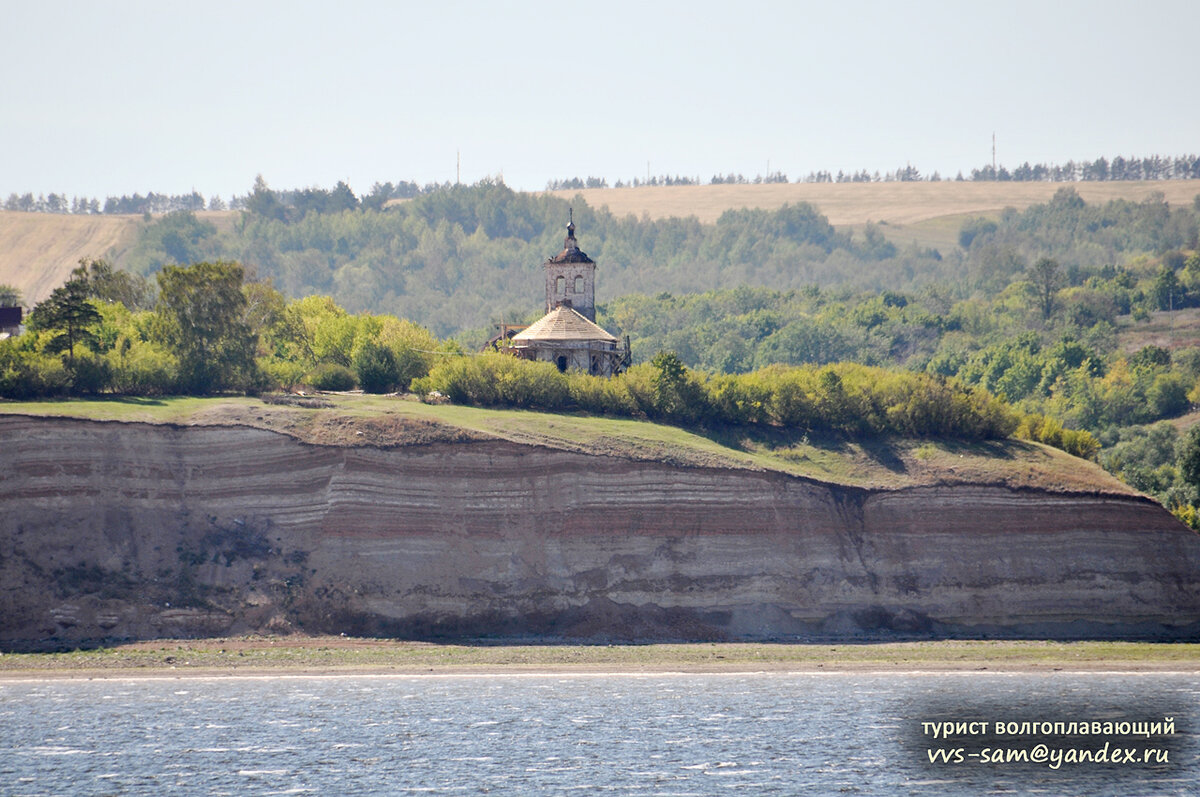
{"x": 1102, "y": 169}
{"x": 466, "y": 257}
{"x": 772, "y": 318}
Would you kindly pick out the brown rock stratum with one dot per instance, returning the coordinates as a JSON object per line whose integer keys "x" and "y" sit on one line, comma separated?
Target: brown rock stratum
{"x": 128, "y": 530}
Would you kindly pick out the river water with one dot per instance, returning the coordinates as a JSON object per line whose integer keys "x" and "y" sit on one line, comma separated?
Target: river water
{"x": 660, "y": 734}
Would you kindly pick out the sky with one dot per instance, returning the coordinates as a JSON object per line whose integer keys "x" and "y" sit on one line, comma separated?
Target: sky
{"x": 111, "y": 98}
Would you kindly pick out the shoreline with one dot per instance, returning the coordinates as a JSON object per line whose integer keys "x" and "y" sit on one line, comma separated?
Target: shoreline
{"x": 275, "y": 657}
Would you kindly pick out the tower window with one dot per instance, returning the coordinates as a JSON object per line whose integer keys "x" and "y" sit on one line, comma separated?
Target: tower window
{"x": 560, "y": 285}
{"x": 578, "y": 284}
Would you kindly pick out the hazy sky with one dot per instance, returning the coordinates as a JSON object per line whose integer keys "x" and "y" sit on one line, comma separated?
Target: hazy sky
{"x": 110, "y": 98}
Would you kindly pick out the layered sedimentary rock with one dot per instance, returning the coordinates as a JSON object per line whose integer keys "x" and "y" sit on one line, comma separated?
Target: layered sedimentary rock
{"x": 117, "y": 530}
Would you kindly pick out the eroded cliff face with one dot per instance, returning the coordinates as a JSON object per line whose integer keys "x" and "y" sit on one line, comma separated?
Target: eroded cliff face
{"x": 116, "y": 530}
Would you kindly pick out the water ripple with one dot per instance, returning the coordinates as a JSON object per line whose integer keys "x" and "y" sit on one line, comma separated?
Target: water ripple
{"x": 669, "y": 735}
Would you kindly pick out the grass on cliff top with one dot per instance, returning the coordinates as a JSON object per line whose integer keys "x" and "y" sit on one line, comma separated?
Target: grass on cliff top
{"x": 390, "y": 421}
{"x": 334, "y": 654}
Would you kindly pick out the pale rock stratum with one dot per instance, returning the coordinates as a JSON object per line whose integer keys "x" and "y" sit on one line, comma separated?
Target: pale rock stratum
{"x": 131, "y": 530}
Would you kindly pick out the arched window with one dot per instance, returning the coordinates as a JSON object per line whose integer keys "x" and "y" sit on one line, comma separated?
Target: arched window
{"x": 578, "y": 284}
{"x": 560, "y": 284}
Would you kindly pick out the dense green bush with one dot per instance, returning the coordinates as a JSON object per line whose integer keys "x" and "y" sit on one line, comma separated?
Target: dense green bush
{"x": 28, "y": 374}
{"x": 376, "y": 368}
{"x": 332, "y": 376}
{"x": 1050, "y": 431}
{"x": 91, "y": 374}
{"x": 142, "y": 369}
{"x": 498, "y": 380}
{"x": 845, "y": 398}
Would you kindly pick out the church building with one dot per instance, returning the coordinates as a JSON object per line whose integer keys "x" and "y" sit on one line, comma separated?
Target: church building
{"x": 568, "y": 335}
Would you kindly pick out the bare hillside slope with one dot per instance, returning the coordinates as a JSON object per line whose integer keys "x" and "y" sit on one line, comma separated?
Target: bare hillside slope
{"x": 38, "y": 250}
{"x": 858, "y": 203}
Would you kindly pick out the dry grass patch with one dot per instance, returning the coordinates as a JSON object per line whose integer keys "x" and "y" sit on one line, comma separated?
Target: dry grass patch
{"x": 1165, "y": 329}
{"x": 858, "y": 203}
{"x": 349, "y": 655}
{"x": 38, "y": 250}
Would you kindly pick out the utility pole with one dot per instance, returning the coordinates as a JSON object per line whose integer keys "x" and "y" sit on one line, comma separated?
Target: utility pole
{"x": 457, "y": 166}
{"x": 1171, "y": 315}
{"x": 995, "y": 174}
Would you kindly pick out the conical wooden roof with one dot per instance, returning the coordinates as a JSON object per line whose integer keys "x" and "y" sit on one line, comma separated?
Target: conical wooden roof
{"x": 562, "y": 323}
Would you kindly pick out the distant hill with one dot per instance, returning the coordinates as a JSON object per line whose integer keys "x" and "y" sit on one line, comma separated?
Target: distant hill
{"x": 925, "y": 212}
{"x": 848, "y": 204}
{"x": 38, "y": 250}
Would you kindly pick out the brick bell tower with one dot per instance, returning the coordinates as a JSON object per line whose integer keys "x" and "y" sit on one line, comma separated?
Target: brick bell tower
{"x": 571, "y": 277}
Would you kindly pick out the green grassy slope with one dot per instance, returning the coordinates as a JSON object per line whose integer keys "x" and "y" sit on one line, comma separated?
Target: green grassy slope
{"x": 388, "y": 421}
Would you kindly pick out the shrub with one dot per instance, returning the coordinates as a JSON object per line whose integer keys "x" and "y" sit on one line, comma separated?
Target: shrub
{"x": 281, "y": 373}
{"x": 602, "y": 396}
{"x": 331, "y": 376}
{"x": 1168, "y": 395}
{"x": 411, "y": 345}
{"x": 25, "y": 374}
{"x": 1043, "y": 429}
{"x": 376, "y": 368}
{"x": 498, "y": 379}
{"x": 90, "y": 375}
{"x": 142, "y": 369}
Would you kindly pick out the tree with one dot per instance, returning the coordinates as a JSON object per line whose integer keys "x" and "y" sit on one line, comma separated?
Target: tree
{"x": 677, "y": 394}
{"x": 1046, "y": 277}
{"x": 109, "y": 285}
{"x": 203, "y": 312}
{"x": 265, "y": 308}
{"x": 69, "y": 315}
{"x": 1166, "y": 290}
{"x": 341, "y": 198}
{"x": 265, "y": 202}
{"x": 1189, "y": 457}
{"x": 380, "y": 193}
{"x": 10, "y": 295}
{"x": 974, "y": 228}
{"x": 376, "y": 368}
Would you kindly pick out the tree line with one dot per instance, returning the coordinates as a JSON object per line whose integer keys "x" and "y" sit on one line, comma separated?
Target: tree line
{"x": 1153, "y": 167}
{"x": 203, "y": 329}
{"x": 300, "y": 200}
{"x": 341, "y": 197}
{"x": 124, "y": 204}
{"x": 462, "y": 258}
{"x": 845, "y": 398}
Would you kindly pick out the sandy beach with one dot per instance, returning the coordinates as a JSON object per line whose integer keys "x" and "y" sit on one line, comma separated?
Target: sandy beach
{"x": 292, "y": 655}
